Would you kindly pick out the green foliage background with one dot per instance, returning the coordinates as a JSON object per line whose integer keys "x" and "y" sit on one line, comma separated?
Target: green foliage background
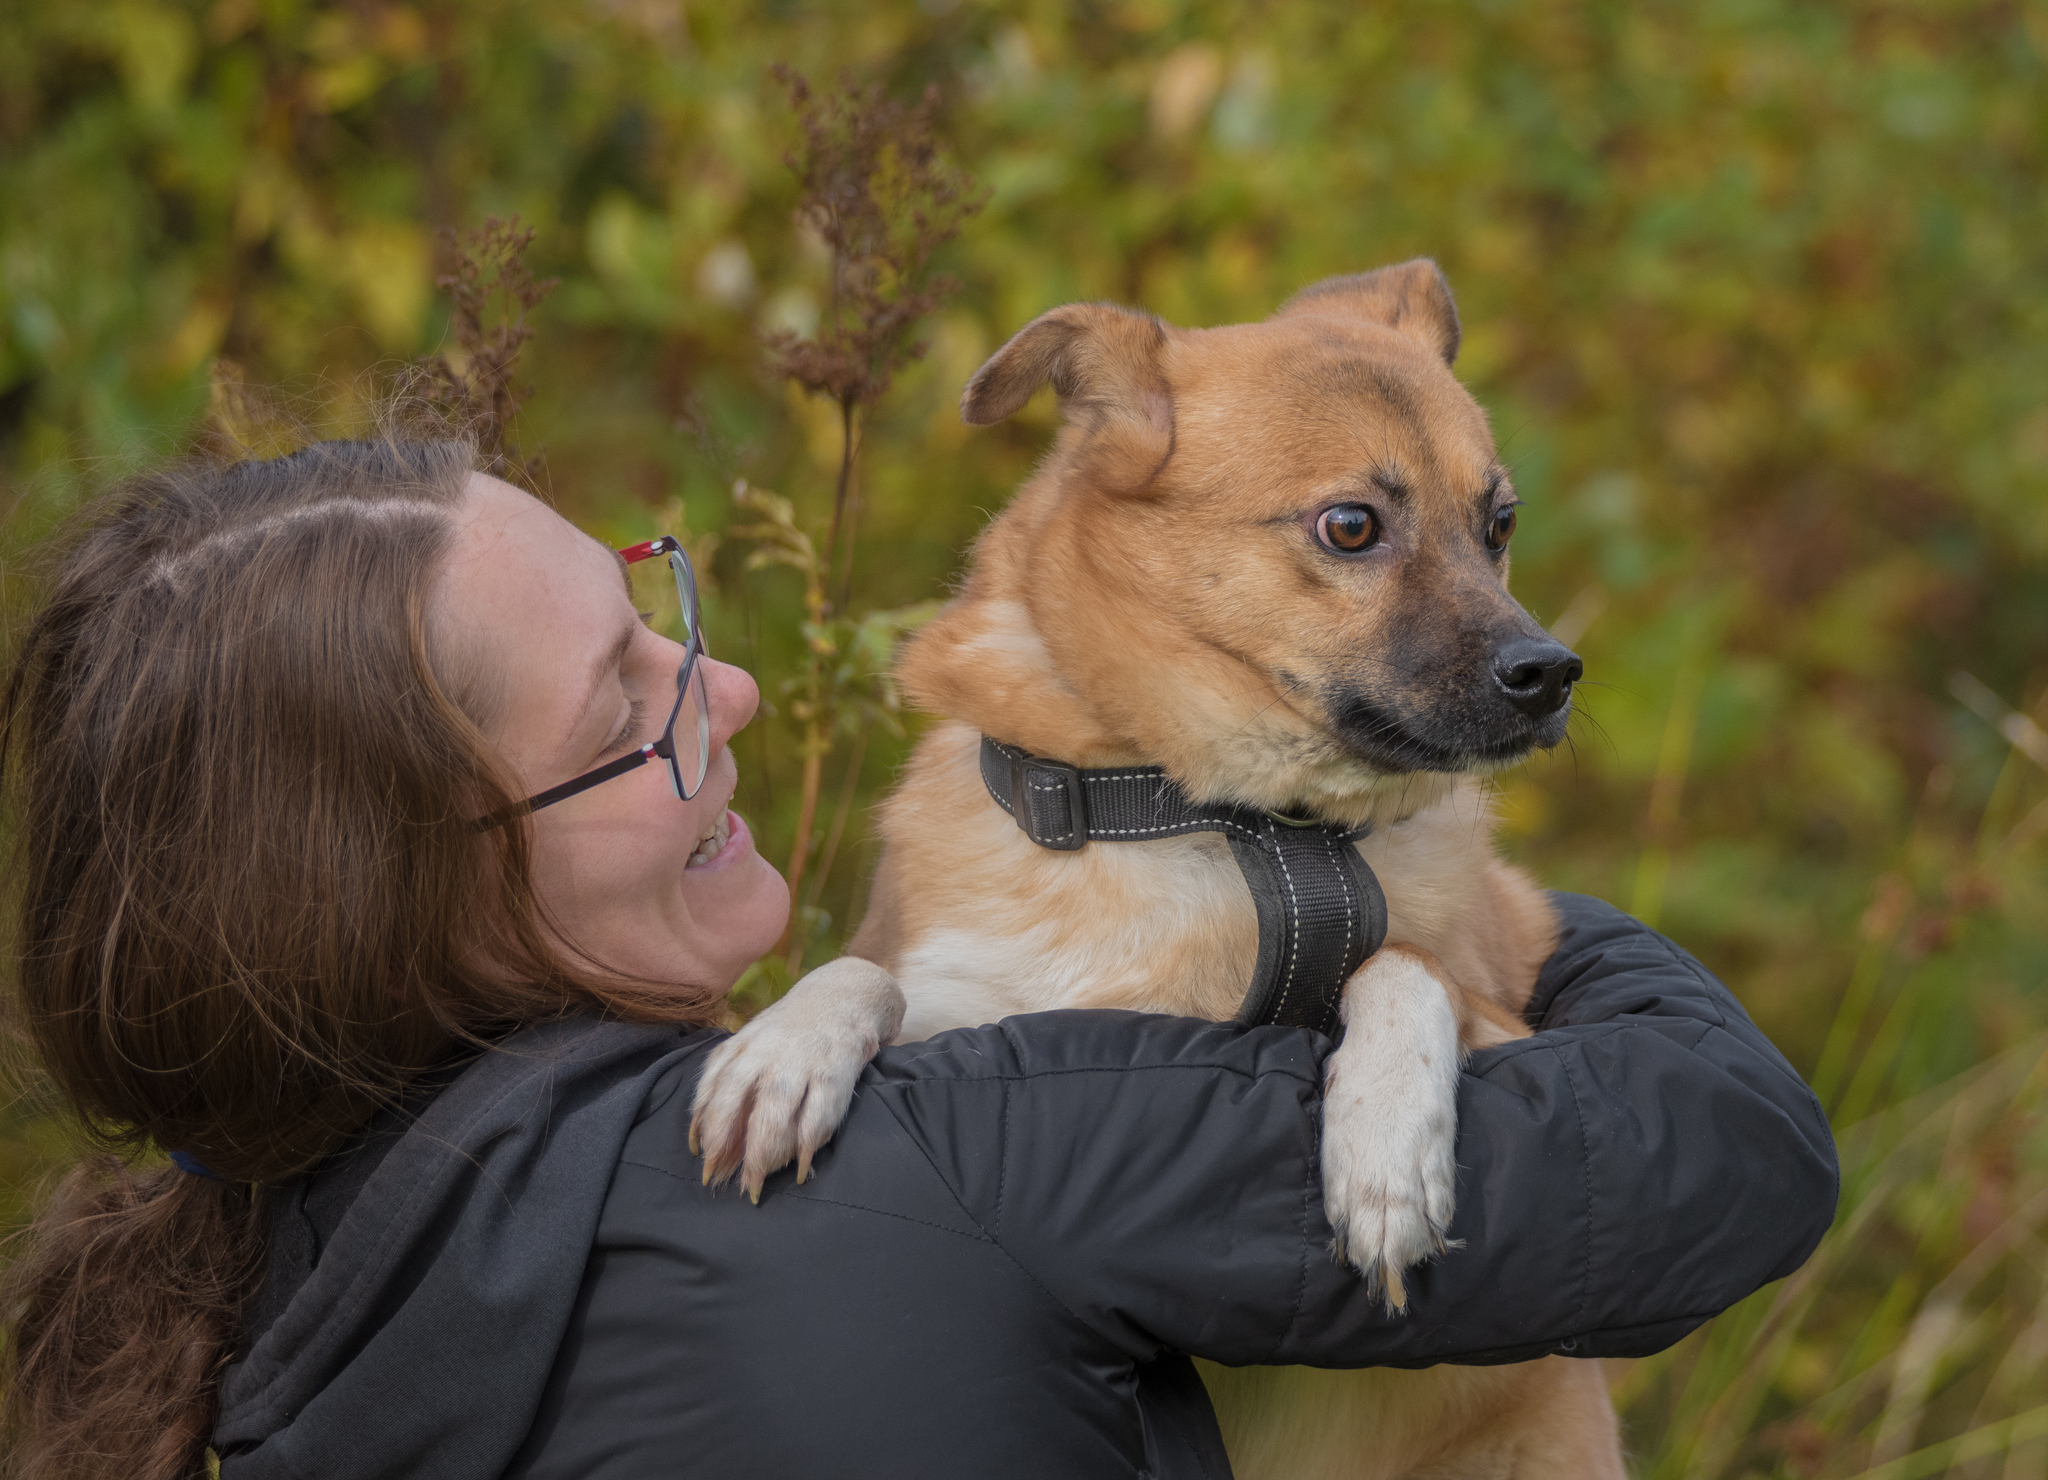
{"x": 1756, "y": 293}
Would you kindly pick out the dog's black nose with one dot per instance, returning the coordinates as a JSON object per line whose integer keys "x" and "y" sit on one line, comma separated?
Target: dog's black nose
{"x": 1536, "y": 674}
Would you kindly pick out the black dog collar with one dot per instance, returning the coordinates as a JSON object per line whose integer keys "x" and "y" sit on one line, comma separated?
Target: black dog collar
{"x": 1321, "y": 912}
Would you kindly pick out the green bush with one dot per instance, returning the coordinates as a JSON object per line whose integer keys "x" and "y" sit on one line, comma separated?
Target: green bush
{"x": 1756, "y": 293}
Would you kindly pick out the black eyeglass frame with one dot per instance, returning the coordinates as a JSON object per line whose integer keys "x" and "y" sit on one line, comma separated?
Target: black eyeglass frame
{"x": 687, "y": 679}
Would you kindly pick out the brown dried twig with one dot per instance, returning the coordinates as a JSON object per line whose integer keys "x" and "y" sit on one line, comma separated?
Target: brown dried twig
{"x": 879, "y": 194}
{"x": 493, "y": 291}
{"x": 883, "y": 200}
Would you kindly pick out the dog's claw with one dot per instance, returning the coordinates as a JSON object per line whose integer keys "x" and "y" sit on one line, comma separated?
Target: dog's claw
{"x": 776, "y": 1090}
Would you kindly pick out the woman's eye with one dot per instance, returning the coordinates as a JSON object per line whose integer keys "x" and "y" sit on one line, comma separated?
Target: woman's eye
{"x": 636, "y": 714}
{"x": 1501, "y": 529}
{"x": 1348, "y": 528}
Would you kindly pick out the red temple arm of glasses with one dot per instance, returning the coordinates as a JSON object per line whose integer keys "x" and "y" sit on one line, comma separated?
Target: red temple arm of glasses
{"x": 648, "y": 549}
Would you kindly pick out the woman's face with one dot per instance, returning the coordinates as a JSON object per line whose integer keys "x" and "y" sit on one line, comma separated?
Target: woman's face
{"x": 634, "y": 877}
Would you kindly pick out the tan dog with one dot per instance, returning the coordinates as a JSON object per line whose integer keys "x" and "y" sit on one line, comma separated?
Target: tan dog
{"x": 1271, "y": 558}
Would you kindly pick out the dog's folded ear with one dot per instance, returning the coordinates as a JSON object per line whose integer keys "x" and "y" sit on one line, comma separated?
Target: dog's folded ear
{"x": 1411, "y": 298}
{"x": 1104, "y": 363}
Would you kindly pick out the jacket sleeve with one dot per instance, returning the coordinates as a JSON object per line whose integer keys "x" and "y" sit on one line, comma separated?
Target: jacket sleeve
{"x": 1643, "y": 1162}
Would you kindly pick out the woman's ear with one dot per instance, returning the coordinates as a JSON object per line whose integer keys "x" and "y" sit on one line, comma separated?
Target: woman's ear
{"x": 1104, "y": 363}
{"x": 1410, "y": 298}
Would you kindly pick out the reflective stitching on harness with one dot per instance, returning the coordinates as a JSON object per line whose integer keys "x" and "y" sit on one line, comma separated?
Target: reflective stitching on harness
{"x": 1344, "y": 883}
{"x": 1293, "y": 930}
{"x": 1204, "y": 825}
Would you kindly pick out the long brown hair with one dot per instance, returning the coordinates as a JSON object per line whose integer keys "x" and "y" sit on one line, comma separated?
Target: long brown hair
{"x": 250, "y": 904}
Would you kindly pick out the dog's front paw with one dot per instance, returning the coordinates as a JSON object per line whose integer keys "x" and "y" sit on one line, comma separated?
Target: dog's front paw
{"x": 1389, "y": 1190}
{"x": 777, "y": 1089}
{"x": 1390, "y": 1121}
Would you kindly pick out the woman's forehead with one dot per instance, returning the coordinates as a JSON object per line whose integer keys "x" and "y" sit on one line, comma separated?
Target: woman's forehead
{"x": 509, "y": 531}
{"x": 539, "y": 594}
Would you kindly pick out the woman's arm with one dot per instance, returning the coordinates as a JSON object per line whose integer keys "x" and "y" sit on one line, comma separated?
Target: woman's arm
{"x": 1646, "y": 1161}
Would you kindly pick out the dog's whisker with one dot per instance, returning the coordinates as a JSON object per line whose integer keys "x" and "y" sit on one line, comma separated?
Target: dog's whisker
{"x": 1587, "y": 717}
{"x": 1264, "y": 709}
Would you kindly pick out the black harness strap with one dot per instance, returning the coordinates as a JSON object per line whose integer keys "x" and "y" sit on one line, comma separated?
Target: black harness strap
{"x": 1321, "y": 912}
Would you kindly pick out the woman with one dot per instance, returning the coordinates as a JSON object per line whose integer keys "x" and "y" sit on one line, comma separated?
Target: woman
{"x": 374, "y": 860}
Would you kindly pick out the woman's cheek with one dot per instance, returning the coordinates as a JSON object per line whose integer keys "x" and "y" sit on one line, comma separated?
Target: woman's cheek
{"x": 587, "y": 875}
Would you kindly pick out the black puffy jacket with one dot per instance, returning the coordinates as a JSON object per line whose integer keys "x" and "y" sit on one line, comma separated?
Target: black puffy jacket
{"x": 1010, "y": 1248}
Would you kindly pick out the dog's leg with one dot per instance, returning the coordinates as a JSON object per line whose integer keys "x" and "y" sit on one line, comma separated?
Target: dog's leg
{"x": 779, "y": 1087}
{"x": 1390, "y": 1118}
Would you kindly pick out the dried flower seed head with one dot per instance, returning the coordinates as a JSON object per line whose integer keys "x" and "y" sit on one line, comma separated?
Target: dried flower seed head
{"x": 878, "y": 193}
{"x": 492, "y": 292}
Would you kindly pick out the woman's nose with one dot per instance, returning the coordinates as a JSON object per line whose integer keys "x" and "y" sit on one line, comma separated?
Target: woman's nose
{"x": 734, "y": 697}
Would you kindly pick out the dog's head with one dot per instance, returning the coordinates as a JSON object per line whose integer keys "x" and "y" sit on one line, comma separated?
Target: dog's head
{"x": 1272, "y": 557}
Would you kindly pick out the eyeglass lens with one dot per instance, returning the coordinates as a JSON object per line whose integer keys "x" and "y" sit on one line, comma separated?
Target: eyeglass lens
{"x": 689, "y": 764}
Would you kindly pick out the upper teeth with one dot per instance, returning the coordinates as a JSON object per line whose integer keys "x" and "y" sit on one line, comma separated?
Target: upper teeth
{"x": 711, "y": 842}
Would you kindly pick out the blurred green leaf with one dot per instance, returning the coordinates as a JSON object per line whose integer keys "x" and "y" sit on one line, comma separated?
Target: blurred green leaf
{"x": 1756, "y": 294}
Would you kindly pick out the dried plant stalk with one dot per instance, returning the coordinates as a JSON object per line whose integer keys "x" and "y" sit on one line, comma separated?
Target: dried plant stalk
{"x": 878, "y": 192}
{"x": 492, "y": 292}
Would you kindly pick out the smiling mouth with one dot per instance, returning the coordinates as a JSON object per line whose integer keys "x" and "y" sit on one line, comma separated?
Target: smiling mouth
{"x": 710, "y": 845}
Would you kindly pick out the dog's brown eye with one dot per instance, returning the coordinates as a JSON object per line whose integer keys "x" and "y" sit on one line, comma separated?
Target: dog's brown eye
{"x": 1348, "y": 527}
{"x": 1502, "y": 529}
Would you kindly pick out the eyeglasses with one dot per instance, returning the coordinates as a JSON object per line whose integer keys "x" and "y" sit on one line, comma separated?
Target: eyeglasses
{"x": 687, "y": 764}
